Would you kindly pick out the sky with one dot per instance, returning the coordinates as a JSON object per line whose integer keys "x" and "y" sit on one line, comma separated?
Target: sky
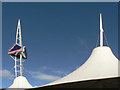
{"x": 59, "y": 37}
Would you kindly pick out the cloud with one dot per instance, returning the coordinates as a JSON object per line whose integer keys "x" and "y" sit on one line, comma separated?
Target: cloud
{"x": 6, "y": 74}
{"x": 60, "y": 72}
{"x": 44, "y": 76}
{"x": 83, "y": 43}
{"x": 49, "y": 69}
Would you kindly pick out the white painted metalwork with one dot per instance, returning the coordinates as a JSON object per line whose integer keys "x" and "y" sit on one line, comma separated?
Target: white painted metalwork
{"x": 20, "y": 81}
{"x": 101, "y": 31}
{"x": 15, "y": 67}
{"x": 19, "y": 42}
{"x": 18, "y": 62}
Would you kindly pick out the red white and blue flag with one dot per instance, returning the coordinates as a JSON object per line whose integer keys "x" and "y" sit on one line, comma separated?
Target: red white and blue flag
{"x": 16, "y": 50}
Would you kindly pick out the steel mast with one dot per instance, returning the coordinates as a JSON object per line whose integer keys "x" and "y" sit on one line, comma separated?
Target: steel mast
{"x": 19, "y": 42}
{"x": 101, "y": 31}
{"x": 18, "y": 52}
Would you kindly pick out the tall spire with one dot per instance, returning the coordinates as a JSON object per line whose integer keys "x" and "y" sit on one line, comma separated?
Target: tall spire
{"x": 18, "y": 52}
{"x": 19, "y": 42}
{"x": 18, "y": 34}
{"x": 101, "y": 31}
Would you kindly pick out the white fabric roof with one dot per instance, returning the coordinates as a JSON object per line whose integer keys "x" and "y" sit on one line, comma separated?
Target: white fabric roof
{"x": 20, "y": 82}
{"x": 101, "y": 64}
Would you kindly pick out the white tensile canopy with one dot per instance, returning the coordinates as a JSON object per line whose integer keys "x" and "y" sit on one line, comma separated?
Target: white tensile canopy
{"x": 20, "y": 82}
{"x": 101, "y": 64}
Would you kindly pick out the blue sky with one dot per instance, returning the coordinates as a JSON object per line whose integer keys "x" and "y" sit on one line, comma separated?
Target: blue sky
{"x": 59, "y": 37}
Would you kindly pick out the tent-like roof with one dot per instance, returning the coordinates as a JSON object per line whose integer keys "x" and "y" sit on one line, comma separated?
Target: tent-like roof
{"x": 20, "y": 82}
{"x": 100, "y": 65}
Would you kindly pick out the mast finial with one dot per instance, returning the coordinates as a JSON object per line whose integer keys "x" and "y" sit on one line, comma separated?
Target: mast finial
{"x": 101, "y": 31}
{"x": 19, "y": 22}
{"x": 18, "y": 34}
